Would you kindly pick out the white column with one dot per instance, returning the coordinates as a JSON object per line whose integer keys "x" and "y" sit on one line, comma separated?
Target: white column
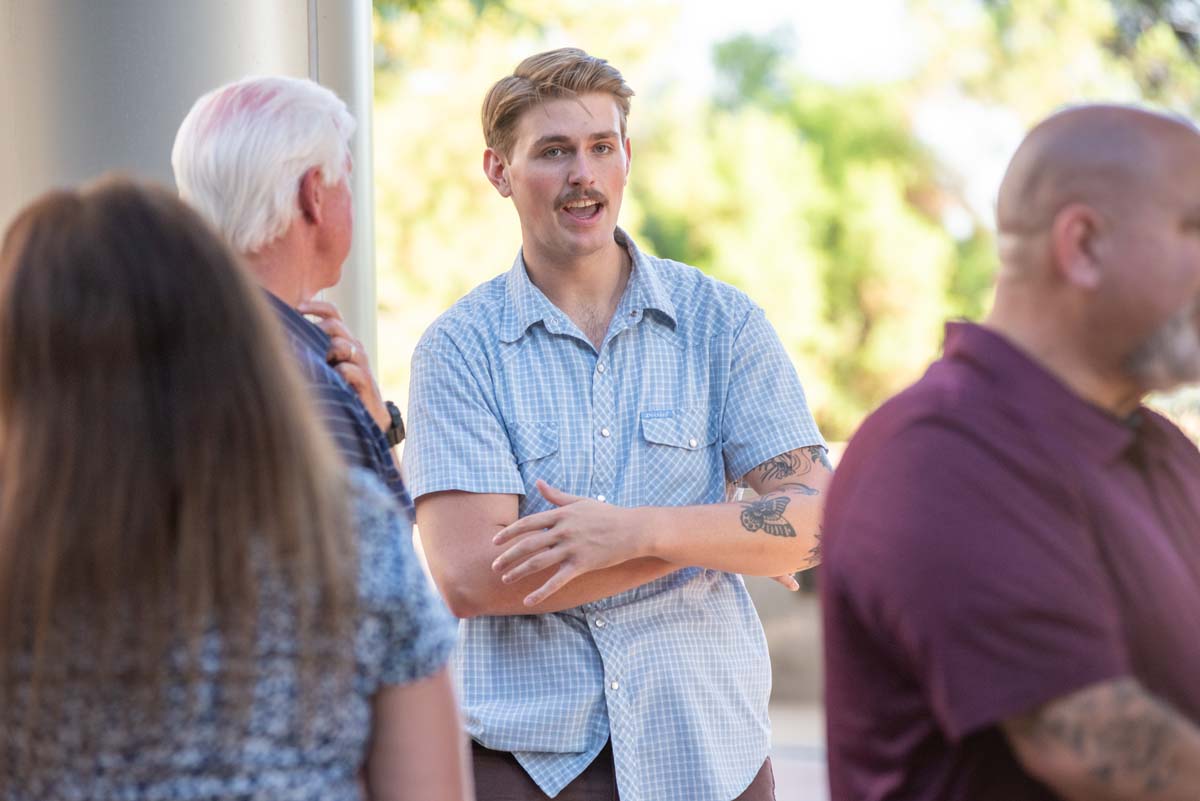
{"x": 343, "y": 60}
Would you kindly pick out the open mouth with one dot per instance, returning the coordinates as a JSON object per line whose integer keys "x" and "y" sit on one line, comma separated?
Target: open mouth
{"x": 583, "y": 210}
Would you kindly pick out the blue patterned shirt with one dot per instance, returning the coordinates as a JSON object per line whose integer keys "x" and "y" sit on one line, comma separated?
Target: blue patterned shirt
{"x": 358, "y": 438}
{"x": 690, "y": 387}
{"x": 197, "y": 751}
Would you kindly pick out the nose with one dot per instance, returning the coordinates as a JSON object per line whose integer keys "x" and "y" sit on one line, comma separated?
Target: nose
{"x": 581, "y": 173}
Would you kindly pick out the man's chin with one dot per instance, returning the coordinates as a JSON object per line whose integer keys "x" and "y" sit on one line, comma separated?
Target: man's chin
{"x": 592, "y": 240}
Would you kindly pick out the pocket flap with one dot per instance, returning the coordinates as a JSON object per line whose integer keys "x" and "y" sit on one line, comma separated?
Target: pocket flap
{"x": 533, "y": 439}
{"x": 680, "y": 428}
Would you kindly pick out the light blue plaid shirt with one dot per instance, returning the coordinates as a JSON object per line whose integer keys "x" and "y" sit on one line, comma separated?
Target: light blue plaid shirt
{"x": 691, "y": 387}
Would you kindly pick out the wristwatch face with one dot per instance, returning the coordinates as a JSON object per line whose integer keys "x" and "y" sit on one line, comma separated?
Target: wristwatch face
{"x": 395, "y": 434}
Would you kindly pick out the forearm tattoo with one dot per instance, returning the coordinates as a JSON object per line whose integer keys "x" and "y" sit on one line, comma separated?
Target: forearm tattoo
{"x": 814, "y": 553}
{"x": 766, "y": 513}
{"x": 1119, "y": 732}
{"x": 784, "y": 465}
{"x": 818, "y": 455}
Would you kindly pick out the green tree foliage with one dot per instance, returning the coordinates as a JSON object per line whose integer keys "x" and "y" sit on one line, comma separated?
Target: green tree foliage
{"x": 1033, "y": 55}
{"x": 1137, "y": 17}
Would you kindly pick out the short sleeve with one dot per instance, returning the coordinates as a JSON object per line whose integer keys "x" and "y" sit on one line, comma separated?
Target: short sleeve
{"x": 765, "y": 412}
{"x": 455, "y": 438}
{"x": 407, "y": 629}
{"x": 977, "y": 569}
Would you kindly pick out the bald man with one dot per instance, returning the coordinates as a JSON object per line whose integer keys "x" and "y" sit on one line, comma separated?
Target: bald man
{"x": 1012, "y": 545}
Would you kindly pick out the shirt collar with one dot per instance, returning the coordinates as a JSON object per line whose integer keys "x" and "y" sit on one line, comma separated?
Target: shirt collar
{"x": 297, "y": 325}
{"x": 526, "y": 304}
{"x": 1040, "y": 397}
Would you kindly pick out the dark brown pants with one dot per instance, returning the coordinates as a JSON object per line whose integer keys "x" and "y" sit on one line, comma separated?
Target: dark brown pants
{"x": 499, "y": 777}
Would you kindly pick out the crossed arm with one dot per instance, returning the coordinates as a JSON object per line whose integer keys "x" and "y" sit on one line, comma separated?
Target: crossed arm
{"x": 1110, "y": 742}
{"x": 487, "y": 562}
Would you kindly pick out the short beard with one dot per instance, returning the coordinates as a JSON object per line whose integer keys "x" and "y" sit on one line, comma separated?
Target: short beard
{"x": 1171, "y": 355}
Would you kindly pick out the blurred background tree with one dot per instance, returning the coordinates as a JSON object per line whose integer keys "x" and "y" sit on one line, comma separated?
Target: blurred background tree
{"x": 857, "y": 213}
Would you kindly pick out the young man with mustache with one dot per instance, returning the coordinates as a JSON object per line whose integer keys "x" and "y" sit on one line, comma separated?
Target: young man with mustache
{"x": 573, "y": 426}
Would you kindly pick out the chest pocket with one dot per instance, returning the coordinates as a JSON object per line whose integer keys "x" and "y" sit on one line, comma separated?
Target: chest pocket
{"x": 680, "y": 461}
{"x": 535, "y": 446}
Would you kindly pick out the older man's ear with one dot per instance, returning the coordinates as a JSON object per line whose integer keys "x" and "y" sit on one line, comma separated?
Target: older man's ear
{"x": 311, "y": 195}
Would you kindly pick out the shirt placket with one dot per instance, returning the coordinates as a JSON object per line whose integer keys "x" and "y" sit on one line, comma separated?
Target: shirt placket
{"x": 607, "y": 431}
{"x": 604, "y": 621}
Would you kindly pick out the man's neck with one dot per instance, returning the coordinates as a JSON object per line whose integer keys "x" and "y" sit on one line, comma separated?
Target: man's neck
{"x": 282, "y": 271}
{"x": 1050, "y": 342}
{"x": 588, "y": 289}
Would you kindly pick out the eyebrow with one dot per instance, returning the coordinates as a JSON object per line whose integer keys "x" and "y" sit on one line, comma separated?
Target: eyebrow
{"x": 563, "y": 139}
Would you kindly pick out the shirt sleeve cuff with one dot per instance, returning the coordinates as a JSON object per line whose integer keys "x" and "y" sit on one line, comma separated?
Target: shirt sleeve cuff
{"x": 960, "y": 724}
{"x": 497, "y": 485}
{"x": 749, "y": 458}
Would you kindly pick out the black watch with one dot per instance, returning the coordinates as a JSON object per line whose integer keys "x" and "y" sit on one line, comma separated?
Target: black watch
{"x": 395, "y": 434}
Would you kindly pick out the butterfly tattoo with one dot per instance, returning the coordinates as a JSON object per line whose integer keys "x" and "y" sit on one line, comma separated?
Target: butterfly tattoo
{"x": 767, "y": 514}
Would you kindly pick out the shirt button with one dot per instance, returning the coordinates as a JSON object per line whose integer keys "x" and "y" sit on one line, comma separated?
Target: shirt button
{"x": 604, "y": 432}
{"x": 601, "y": 623}
{"x": 633, "y": 313}
{"x": 692, "y": 442}
{"x": 600, "y": 368}
{"x": 616, "y": 685}
{"x": 601, "y": 498}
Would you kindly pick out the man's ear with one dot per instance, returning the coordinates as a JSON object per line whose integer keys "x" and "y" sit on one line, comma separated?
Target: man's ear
{"x": 1075, "y": 240}
{"x": 628, "y": 157}
{"x": 312, "y": 195}
{"x": 497, "y": 172}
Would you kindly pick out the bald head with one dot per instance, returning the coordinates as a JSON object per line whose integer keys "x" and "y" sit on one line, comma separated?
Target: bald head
{"x": 1106, "y": 157}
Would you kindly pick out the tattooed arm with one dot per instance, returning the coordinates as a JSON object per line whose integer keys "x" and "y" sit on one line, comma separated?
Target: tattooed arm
{"x": 784, "y": 482}
{"x": 774, "y": 535}
{"x": 1112, "y": 741}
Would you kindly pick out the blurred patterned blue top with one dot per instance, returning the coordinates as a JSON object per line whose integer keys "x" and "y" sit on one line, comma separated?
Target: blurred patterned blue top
{"x": 690, "y": 387}
{"x": 404, "y": 634}
{"x": 358, "y": 438}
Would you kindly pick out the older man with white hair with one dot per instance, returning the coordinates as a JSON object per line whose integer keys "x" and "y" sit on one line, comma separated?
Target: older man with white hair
{"x": 267, "y": 161}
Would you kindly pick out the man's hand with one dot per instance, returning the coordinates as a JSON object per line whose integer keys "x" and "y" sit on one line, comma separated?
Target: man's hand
{"x": 580, "y": 536}
{"x": 788, "y": 581}
{"x": 348, "y": 356}
{"x": 457, "y": 530}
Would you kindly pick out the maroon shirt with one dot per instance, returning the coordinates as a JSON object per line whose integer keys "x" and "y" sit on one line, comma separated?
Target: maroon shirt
{"x": 992, "y": 542}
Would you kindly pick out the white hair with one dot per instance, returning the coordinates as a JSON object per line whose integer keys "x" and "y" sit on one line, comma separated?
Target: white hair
{"x": 243, "y": 148}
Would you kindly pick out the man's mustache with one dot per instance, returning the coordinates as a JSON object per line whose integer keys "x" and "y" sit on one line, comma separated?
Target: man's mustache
{"x": 594, "y": 197}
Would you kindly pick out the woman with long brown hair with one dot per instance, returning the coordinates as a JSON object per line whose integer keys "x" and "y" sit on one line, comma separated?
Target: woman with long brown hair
{"x": 196, "y": 600}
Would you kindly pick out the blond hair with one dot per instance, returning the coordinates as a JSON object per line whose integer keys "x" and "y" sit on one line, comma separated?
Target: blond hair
{"x": 566, "y": 72}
